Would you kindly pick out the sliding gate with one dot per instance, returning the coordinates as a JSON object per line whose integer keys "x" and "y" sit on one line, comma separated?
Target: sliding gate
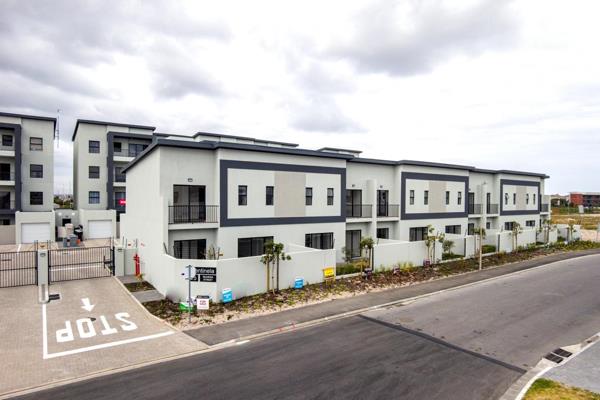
{"x": 18, "y": 268}
{"x": 80, "y": 263}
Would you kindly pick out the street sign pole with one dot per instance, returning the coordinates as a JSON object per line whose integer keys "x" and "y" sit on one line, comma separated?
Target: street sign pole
{"x": 189, "y": 299}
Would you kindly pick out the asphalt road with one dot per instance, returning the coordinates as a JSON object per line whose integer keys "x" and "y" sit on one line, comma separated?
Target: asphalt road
{"x": 470, "y": 343}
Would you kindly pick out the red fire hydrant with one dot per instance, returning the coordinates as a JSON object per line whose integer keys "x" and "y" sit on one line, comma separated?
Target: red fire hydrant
{"x": 136, "y": 258}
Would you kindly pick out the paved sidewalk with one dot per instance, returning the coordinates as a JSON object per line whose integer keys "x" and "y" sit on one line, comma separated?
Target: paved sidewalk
{"x": 583, "y": 371}
{"x": 216, "y": 334}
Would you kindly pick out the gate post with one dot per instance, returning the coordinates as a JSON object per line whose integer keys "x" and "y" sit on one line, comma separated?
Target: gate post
{"x": 119, "y": 260}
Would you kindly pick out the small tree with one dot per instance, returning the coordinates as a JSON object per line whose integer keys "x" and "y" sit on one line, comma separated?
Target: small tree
{"x": 273, "y": 255}
{"x": 430, "y": 241}
{"x": 367, "y": 244}
{"x": 268, "y": 259}
{"x": 547, "y": 227}
{"x": 570, "y": 230}
{"x": 447, "y": 246}
{"x": 516, "y": 231}
{"x": 480, "y": 236}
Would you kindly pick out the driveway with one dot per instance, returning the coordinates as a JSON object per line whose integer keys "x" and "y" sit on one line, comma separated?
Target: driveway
{"x": 95, "y": 326}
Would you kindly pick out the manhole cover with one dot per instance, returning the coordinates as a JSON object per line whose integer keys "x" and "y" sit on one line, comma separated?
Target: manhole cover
{"x": 553, "y": 358}
{"x": 563, "y": 353}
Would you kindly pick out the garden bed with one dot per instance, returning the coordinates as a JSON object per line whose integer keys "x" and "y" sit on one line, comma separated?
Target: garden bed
{"x": 138, "y": 286}
{"x": 402, "y": 275}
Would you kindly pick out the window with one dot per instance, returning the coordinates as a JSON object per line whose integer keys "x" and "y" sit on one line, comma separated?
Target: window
{"x": 488, "y": 225}
{"x": 93, "y": 172}
{"x": 453, "y": 229}
{"x": 242, "y": 195}
{"x": 190, "y": 249}
{"x": 417, "y": 234}
{"x": 250, "y": 247}
{"x": 269, "y": 195}
{"x": 7, "y": 140}
{"x": 308, "y": 196}
{"x": 447, "y": 197}
{"x": 36, "y": 144}
{"x": 36, "y": 171}
{"x": 5, "y": 221}
{"x": 459, "y": 198}
{"x": 534, "y": 198}
{"x": 36, "y": 198}
{"x": 426, "y": 197}
{"x": 514, "y": 198}
{"x": 119, "y": 175}
{"x": 412, "y": 197}
{"x": 329, "y": 196}
{"x": 94, "y": 146}
{"x": 527, "y": 198}
{"x": 93, "y": 197}
{"x": 383, "y": 233}
{"x": 508, "y": 226}
{"x": 321, "y": 241}
{"x": 135, "y": 149}
{"x": 383, "y": 209}
{"x": 120, "y": 200}
{"x": 353, "y": 203}
{"x": 353, "y": 243}
{"x": 530, "y": 223}
{"x": 471, "y": 229}
{"x": 506, "y": 198}
{"x": 117, "y": 147}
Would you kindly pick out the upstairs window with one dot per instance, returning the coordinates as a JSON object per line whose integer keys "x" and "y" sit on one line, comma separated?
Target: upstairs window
{"x": 269, "y": 195}
{"x": 94, "y": 146}
{"x": 93, "y": 172}
{"x": 412, "y": 197}
{"x": 447, "y": 197}
{"x": 527, "y": 198}
{"x": 117, "y": 147}
{"x": 93, "y": 197}
{"x": 514, "y": 198}
{"x": 242, "y": 195}
{"x": 36, "y": 198}
{"x": 36, "y": 171}
{"x": 329, "y": 196}
{"x": 309, "y": 196}
{"x": 36, "y": 144}
{"x": 7, "y": 140}
{"x": 426, "y": 197}
{"x": 459, "y": 198}
{"x": 534, "y": 198}
{"x": 506, "y": 198}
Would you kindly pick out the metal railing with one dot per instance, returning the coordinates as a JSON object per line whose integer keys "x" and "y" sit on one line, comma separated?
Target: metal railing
{"x": 7, "y": 176}
{"x": 474, "y": 208}
{"x": 190, "y": 214}
{"x": 119, "y": 177}
{"x": 358, "y": 211}
{"x": 7, "y": 148}
{"x": 388, "y": 210}
{"x": 545, "y": 207}
{"x": 80, "y": 263}
{"x": 491, "y": 208}
{"x": 127, "y": 152}
{"x": 18, "y": 268}
{"x": 7, "y": 205}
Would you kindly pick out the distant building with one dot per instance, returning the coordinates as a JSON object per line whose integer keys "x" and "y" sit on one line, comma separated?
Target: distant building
{"x": 558, "y": 200}
{"x": 586, "y": 199}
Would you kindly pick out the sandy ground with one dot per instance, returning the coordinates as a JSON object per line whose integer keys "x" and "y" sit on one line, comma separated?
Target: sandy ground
{"x": 591, "y": 235}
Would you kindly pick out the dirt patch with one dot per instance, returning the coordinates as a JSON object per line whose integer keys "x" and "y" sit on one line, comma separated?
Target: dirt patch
{"x": 139, "y": 286}
{"x": 545, "y": 389}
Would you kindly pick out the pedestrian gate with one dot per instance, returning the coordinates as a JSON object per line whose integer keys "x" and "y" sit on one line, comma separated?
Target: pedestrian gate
{"x": 80, "y": 263}
{"x": 18, "y": 268}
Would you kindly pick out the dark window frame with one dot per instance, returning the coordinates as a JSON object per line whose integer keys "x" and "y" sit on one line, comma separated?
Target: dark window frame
{"x": 380, "y": 235}
{"x": 93, "y": 175}
{"x": 182, "y": 249}
{"x": 447, "y": 197}
{"x": 354, "y": 252}
{"x": 254, "y": 244}
{"x": 36, "y": 198}
{"x": 459, "y": 198}
{"x": 36, "y": 146}
{"x": 92, "y": 196}
{"x": 308, "y": 196}
{"x": 242, "y": 195}
{"x": 117, "y": 147}
{"x": 426, "y": 197}
{"x": 330, "y": 196}
{"x": 94, "y": 146}
{"x": 35, "y": 172}
{"x": 321, "y": 241}
{"x": 269, "y": 195}
{"x": 453, "y": 229}
{"x": 8, "y": 140}
{"x": 411, "y": 195}
{"x": 418, "y": 233}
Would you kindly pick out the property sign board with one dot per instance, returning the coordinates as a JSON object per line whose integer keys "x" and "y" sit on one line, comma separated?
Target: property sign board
{"x": 329, "y": 272}
{"x": 202, "y": 302}
{"x": 227, "y": 295}
{"x": 206, "y": 274}
{"x": 298, "y": 283}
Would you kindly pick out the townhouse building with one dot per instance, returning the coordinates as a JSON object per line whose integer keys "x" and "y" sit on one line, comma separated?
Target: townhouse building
{"x": 26, "y": 177}
{"x": 228, "y": 195}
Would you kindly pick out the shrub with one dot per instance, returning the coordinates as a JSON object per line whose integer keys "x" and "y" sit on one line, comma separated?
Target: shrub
{"x": 450, "y": 256}
{"x": 346, "y": 268}
{"x": 488, "y": 248}
{"x": 406, "y": 267}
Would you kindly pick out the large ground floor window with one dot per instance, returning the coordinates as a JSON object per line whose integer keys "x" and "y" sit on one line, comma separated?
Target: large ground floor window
{"x": 194, "y": 249}
{"x": 417, "y": 234}
{"x": 250, "y": 247}
{"x": 321, "y": 241}
{"x": 383, "y": 233}
{"x": 453, "y": 229}
{"x": 353, "y": 243}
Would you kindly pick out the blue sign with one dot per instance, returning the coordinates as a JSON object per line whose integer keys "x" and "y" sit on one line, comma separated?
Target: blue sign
{"x": 298, "y": 283}
{"x": 227, "y": 295}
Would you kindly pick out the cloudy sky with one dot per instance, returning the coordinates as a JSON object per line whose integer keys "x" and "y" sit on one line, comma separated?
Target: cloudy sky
{"x": 490, "y": 83}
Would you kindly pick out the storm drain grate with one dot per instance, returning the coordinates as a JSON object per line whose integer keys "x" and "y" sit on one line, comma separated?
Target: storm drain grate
{"x": 562, "y": 353}
{"x": 54, "y": 296}
{"x": 553, "y": 357}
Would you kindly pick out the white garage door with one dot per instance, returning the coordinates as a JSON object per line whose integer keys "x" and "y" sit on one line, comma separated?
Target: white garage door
{"x": 35, "y": 231}
{"x": 100, "y": 229}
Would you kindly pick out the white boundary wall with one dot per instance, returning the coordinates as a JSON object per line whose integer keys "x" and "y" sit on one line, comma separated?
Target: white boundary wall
{"x": 563, "y": 230}
{"x": 387, "y": 254}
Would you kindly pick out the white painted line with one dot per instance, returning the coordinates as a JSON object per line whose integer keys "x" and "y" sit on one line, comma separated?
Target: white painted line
{"x": 106, "y": 345}
{"x": 242, "y": 342}
{"x": 47, "y": 356}
{"x": 19, "y": 248}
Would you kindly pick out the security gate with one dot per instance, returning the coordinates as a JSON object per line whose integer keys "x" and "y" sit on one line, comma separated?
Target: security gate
{"x": 80, "y": 263}
{"x": 18, "y": 268}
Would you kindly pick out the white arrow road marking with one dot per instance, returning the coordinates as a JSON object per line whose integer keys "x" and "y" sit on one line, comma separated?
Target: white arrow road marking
{"x": 87, "y": 305}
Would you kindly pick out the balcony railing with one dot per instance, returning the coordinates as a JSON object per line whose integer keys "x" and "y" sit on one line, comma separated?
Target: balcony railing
{"x": 387, "y": 210}
{"x": 7, "y": 148}
{"x": 119, "y": 177}
{"x": 358, "y": 211}
{"x": 474, "y": 208}
{"x": 191, "y": 214}
{"x": 491, "y": 208}
{"x": 7, "y": 176}
{"x": 7, "y": 204}
{"x": 127, "y": 152}
{"x": 545, "y": 208}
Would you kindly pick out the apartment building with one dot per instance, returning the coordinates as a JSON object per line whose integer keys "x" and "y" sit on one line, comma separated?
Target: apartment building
{"x": 586, "y": 199}
{"x": 26, "y": 177}
{"x": 101, "y": 150}
{"x": 232, "y": 194}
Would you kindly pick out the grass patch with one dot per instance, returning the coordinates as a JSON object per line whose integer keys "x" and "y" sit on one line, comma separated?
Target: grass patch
{"x": 587, "y": 221}
{"x": 545, "y": 389}
{"x": 488, "y": 248}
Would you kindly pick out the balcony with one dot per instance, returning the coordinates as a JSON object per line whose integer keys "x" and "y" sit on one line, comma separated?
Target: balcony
{"x": 358, "y": 211}
{"x": 7, "y": 205}
{"x": 474, "y": 209}
{"x": 7, "y": 151}
{"x": 491, "y": 209}
{"x": 120, "y": 178}
{"x": 7, "y": 178}
{"x": 193, "y": 214}
{"x": 545, "y": 208}
{"x": 388, "y": 210}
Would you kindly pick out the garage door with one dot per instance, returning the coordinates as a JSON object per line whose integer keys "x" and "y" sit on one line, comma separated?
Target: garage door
{"x": 100, "y": 229}
{"x": 35, "y": 231}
